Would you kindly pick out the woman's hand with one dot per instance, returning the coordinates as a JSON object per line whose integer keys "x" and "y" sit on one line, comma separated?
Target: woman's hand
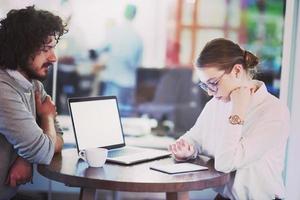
{"x": 241, "y": 98}
{"x": 182, "y": 150}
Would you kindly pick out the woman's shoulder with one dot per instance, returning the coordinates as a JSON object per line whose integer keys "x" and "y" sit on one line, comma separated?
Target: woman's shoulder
{"x": 275, "y": 107}
{"x": 268, "y": 105}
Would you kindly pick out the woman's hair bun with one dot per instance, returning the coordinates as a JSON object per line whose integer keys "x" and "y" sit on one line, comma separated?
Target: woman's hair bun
{"x": 251, "y": 61}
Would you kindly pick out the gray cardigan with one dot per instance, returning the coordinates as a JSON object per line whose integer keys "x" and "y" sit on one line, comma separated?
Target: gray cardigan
{"x": 19, "y": 132}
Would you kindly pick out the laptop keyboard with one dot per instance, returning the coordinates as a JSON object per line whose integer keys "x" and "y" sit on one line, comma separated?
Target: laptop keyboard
{"x": 122, "y": 152}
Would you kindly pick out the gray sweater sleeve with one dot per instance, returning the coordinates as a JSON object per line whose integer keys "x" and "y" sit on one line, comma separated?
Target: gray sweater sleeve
{"x": 19, "y": 127}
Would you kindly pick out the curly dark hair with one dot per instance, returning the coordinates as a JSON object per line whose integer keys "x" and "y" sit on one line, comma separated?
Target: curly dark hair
{"x": 23, "y": 32}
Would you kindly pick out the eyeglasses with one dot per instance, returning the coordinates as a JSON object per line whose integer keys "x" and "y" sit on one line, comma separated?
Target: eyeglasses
{"x": 211, "y": 86}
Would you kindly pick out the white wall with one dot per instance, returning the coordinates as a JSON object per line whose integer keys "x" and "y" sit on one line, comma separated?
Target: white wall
{"x": 290, "y": 93}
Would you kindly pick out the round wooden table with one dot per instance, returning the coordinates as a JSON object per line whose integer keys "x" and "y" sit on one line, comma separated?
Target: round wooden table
{"x": 68, "y": 169}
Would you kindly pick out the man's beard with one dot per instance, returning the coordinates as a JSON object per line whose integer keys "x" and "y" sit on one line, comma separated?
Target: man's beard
{"x": 32, "y": 74}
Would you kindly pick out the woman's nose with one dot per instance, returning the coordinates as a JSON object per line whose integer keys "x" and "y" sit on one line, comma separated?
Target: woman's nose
{"x": 210, "y": 93}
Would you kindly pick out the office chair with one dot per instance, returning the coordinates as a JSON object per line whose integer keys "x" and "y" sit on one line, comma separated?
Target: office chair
{"x": 177, "y": 99}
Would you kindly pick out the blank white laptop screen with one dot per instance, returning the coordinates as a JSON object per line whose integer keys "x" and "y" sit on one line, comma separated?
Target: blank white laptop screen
{"x": 97, "y": 123}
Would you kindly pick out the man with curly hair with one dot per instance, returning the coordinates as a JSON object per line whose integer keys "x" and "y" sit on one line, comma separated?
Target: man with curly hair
{"x": 28, "y": 129}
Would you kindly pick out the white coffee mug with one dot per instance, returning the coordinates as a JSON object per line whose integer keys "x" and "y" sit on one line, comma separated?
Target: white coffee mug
{"x": 95, "y": 157}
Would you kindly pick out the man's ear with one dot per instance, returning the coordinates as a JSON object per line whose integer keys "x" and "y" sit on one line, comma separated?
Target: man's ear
{"x": 237, "y": 70}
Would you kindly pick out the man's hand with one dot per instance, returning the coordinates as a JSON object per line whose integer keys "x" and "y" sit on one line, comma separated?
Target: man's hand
{"x": 46, "y": 112}
{"x": 45, "y": 108}
{"x": 182, "y": 150}
{"x": 19, "y": 173}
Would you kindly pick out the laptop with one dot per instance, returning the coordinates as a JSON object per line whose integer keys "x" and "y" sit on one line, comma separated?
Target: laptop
{"x": 96, "y": 123}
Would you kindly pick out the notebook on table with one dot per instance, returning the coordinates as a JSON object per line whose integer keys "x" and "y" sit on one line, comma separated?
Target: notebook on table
{"x": 96, "y": 123}
{"x": 178, "y": 168}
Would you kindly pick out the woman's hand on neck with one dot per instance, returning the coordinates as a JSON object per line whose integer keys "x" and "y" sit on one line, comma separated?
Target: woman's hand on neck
{"x": 241, "y": 98}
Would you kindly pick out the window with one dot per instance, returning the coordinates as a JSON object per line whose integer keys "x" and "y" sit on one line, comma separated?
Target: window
{"x": 256, "y": 25}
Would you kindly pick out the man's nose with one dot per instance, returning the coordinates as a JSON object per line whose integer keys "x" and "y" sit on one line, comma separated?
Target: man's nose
{"x": 52, "y": 57}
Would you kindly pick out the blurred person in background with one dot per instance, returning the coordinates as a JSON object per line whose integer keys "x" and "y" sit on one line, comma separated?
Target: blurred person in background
{"x": 244, "y": 128}
{"x": 29, "y": 132}
{"x": 123, "y": 48}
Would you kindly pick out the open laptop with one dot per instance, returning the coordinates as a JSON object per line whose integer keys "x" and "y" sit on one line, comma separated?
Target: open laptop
{"x": 96, "y": 123}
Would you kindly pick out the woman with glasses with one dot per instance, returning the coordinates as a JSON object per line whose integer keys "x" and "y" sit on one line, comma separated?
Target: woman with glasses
{"x": 244, "y": 128}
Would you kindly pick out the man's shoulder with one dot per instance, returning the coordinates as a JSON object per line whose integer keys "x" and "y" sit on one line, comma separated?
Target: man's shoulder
{"x": 6, "y": 81}
{"x": 6, "y": 78}
{"x": 3, "y": 75}
{"x": 9, "y": 87}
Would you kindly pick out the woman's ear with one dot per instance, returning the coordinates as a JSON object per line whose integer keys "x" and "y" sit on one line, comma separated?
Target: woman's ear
{"x": 237, "y": 70}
